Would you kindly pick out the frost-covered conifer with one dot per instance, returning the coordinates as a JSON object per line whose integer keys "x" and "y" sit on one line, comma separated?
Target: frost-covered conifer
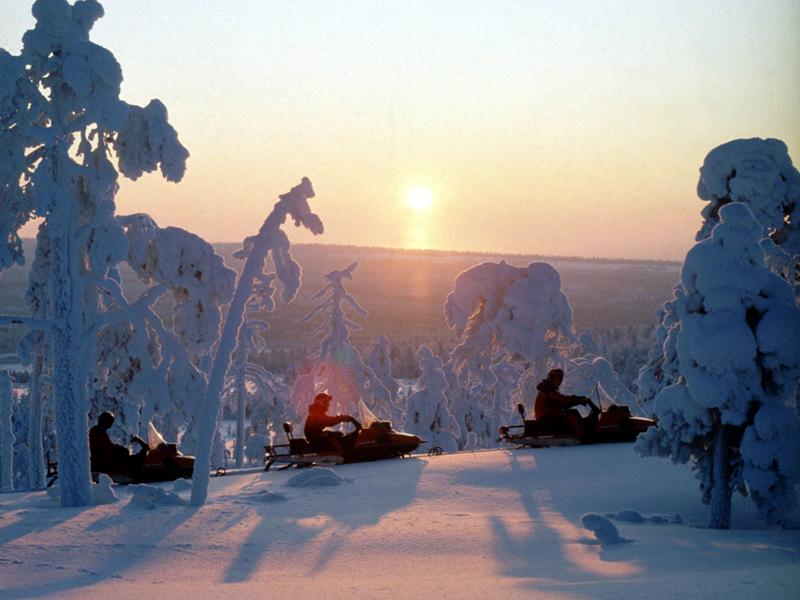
{"x": 253, "y": 288}
{"x": 733, "y": 355}
{"x": 427, "y": 414}
{"x": 380, "y": 362}
{"x": 61, "y": 123}
{"x": 252, "y": 386}
{"x": 760, "y": 174}
{"x": 498, "y": 310}
{"x": 339, "y": 367}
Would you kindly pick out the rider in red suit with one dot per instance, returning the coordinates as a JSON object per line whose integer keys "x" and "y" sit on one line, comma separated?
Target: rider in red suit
{"x": 318, "y": 419}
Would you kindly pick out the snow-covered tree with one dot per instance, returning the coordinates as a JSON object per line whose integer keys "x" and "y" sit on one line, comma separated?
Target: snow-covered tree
{"x": 498, "y": 310}
{"x": 253, "y": 288}
{"x": 252, "y": 386}
{"x": 61, "y": 123}
{"x": 732, "y": 353}
{"x": 380, "y": 361}
{"x": 427, "y": 414}
{"x": 6, "y": 434}
{"x": 759, "y": 173}
{"x": 339, "y": 368}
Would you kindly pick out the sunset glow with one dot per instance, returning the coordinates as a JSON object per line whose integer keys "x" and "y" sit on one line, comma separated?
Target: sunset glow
{"x": 419, "y": 198}
{"x": 557, "y": 118}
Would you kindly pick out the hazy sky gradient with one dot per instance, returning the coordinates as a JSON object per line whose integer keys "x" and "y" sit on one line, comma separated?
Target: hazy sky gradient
{"x": 541, "y": 127}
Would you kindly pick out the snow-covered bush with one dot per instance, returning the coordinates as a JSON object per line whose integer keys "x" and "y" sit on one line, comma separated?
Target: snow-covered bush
{"x": 427, "y": 414}
{"x": 733, "y": 354}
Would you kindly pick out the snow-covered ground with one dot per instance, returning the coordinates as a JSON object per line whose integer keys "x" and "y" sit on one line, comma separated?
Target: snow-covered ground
{"x": 490, "y": 524}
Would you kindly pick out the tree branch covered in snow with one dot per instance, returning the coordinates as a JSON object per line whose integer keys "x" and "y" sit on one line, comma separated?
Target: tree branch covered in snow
{"x": 254, "y": 285}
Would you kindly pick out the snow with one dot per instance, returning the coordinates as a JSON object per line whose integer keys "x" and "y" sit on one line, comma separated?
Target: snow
{"x": 500, "y": 523}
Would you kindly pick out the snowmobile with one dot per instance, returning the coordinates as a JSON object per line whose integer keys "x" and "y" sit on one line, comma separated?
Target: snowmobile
{"x": 163, "y": 462}
{"x": 374, "y": 440}
{"x": 613, "y": 423}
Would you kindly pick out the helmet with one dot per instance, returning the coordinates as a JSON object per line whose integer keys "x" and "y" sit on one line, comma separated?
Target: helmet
{"x": 322, "y": 398}
{"x": 556, "y": 373}
{"x": 106, "y": 418}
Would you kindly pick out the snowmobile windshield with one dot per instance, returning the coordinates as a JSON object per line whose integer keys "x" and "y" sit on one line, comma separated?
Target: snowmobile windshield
{"x": 365, "y": 416}
{"x": 154, "y": 438}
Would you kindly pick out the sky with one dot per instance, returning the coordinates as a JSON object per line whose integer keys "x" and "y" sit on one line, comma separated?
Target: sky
{"x": 569, "y": 128}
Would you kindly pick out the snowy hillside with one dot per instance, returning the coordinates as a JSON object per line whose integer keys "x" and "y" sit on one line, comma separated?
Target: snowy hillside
{"x": 489, "y": 524}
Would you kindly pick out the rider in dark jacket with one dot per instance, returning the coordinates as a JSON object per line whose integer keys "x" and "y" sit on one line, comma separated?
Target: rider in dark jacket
{"x": 108, "y": 457}
{"x": 556, "y": 407}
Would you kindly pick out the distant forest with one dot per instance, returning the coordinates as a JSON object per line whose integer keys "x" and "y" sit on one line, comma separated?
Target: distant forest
{"x": 404, "y": 290}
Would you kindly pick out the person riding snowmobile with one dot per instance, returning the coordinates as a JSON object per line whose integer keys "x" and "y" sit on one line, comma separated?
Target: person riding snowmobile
{"x": 553, "y": 407}
{"x": 108, "y": 457}
{"x": 318, "y": 419}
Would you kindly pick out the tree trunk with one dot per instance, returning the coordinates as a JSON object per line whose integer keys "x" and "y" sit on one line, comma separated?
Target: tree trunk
{"x": 240, "y": 409}
{"x": 74, "y": 478}
{"x": 36, "y": 467}
{"x": 721, "y": 488}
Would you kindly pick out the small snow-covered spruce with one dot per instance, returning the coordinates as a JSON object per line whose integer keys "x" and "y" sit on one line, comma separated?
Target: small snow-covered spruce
{"x": 61, "y": 123}
{"x": 733, "y": 347}
{"x": 254, "y": 285}
{"x": 339, "y": 367}
{"x": 427, "y": 414}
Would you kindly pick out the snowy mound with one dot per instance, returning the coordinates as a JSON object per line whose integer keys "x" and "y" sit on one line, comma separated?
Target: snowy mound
{"x": 604, "y": 530}
{"x": 316, "y": 476}
{"x": 151, "y": 496}
{"x": 101, "y": 492}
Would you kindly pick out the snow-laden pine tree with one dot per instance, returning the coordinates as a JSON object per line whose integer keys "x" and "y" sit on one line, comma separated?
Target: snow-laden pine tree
{"x": 733, "y": 353}
{"x": 339, "y": 368}
{"x": 380, "y": 361}
{"x": 427, "y": 414}
{"x": 61, "y": 124}
{"x": 498, "y": 310}
{"x": 758, "y": 173}
{"x": 254, "y": 288}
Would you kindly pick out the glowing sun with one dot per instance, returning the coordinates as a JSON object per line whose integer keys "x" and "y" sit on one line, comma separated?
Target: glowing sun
{"x": 419, "y": 198}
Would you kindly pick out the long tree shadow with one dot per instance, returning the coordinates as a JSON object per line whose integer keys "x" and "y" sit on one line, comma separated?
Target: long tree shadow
{"x": 309, "y": 514}
{"x": 33, "y": 518}
{"x": 551, "y": 550}
{"x": 142, "y": 529}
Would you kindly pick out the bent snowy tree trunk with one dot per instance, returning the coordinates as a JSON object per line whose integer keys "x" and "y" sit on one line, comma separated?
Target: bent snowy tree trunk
{"x": 721, "y": 488}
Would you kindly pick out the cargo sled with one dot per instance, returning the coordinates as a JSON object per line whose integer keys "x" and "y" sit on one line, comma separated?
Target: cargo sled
{"x": 374, "y": 440}
{"x": 608, "y": 425}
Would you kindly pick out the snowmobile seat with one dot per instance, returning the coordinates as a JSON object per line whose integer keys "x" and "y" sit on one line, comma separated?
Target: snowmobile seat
{"x": 300, "y": 446}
